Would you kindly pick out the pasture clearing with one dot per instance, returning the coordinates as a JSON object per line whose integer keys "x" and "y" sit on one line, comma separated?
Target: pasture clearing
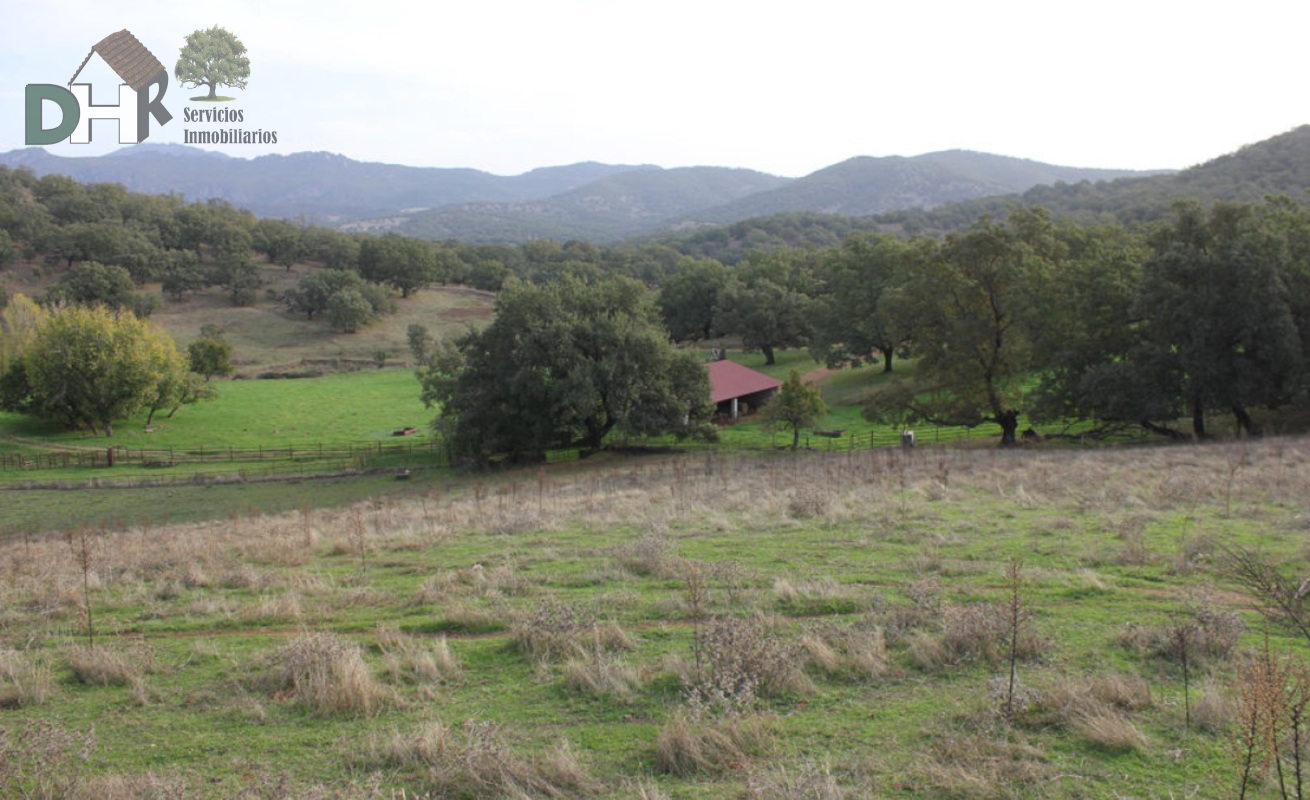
{"x": 694, "y": 626}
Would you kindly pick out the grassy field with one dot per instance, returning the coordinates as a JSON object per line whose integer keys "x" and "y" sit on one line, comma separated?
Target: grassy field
{"x": 268, "y": 338}
{"x": 700, "y": 626}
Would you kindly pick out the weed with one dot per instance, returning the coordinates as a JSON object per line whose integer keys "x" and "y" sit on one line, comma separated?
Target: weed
{"x": 40, "y": 759}
{"x": 739, "y": 661}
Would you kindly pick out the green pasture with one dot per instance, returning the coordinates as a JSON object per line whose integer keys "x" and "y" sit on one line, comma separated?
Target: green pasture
{"x": 807, "y": 543}
{"x": 362, "y": 406}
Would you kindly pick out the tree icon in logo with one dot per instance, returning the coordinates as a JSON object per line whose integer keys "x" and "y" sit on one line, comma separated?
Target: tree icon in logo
{"x": 213, "y": 58}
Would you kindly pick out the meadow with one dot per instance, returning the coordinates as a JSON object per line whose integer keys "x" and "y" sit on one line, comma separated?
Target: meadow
{"x": 936, "y": 623}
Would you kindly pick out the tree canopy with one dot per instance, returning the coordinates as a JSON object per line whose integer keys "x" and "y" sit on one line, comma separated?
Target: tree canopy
{"x": 91, "y": 366}
{"x": 795, "y": 405}
{"x": 563, "y": 365}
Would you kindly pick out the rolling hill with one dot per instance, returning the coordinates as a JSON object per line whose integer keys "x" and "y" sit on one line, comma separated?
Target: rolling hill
{"x": 321, "y": 187}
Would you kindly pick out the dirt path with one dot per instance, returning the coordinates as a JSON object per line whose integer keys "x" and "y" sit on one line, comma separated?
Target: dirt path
{"x": 817, "y": 376}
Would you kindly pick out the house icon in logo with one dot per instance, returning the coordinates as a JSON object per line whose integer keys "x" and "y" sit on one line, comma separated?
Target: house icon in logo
{"x": 138, "y": 69}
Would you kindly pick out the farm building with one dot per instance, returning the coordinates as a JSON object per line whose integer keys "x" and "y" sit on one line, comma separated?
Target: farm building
{"x": 738, "y": 390}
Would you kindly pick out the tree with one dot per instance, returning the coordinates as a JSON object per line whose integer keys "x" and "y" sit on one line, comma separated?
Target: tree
{"x": 281, "y": 241}
{"x": 766, "y": 302}
{"x": 689, "y": 296}
{"x": 563, "y": 365}
{"x": 349, "y": 310}
{"x": 971, "y": 303}
{"x": 794, "y": 406}
{"x": 209, "y": 356}
{"x": 90, "y": 283}
{"x": 91, "y": 366}
{"x": 852, "y": 325}
{"x": 213, "y": 58}
{"x": 1216, "y": 312}
{"x": 402, "y": 263}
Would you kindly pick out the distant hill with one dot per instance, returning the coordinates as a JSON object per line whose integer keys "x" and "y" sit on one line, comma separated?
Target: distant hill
{"x": 323, "y": 187}
{"x": 1276, "y": 166}
{"x": 611, "y": 208}
{"x": 863, "y": 186}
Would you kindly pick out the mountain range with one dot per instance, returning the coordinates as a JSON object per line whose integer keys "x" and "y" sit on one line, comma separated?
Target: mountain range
{"x": 589, "y": 201}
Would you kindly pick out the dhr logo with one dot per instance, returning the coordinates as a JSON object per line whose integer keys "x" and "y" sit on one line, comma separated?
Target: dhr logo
{"x": 139, "y": 70}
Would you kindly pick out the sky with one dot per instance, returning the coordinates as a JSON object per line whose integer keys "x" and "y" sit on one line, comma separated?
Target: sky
{"x": 506, "y": 86}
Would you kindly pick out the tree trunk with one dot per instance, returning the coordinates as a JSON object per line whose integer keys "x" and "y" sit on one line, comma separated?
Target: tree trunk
{"x": 795, "y": 436}
{"x": 151, "y": 416}
{"x": 1009, "y": 422}
{"x": 213, "y": 93}
{"x": 1198, "y": 421}
{"x": 1244, "y": 420}
{"x": 768, "y": 354}
{"x": 887, "y": 361}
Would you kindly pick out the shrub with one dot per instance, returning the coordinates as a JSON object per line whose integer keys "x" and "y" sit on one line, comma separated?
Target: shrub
{"x": 738, "y": 661}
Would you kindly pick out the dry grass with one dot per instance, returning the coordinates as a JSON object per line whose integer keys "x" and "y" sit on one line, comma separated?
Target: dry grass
{"x": 689, "y": 744}
{"x": 474, "y": 761}
{"x": 855, "y": 653}
{"x": 809, "y": 781}
{"x": 417, "y": 661}
{"x": 977, "y": 765}
{"x": 111, "y": 665}
{"x": 26, "y": 679}
{"x": 557, "y": 632}
{"x": 1110, "y": 730}
{"x": 602, "y": 675}
{"x": 328, "y": 676}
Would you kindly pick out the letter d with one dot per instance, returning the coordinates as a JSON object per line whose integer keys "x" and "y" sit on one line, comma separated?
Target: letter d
{"x": 36, "y": 92}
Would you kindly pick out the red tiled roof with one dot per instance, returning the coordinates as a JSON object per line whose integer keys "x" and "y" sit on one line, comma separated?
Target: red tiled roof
{"x": 126, "y": 56}
{"x": 729, "y": 379}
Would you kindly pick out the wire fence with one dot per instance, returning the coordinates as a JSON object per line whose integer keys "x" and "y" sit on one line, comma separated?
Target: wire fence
{"x": 157, "y": 458}
{"x": 180, "y": 463}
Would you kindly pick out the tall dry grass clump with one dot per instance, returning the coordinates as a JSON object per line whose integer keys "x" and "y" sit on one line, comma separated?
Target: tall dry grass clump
{"x": 557, "y": 631}
{"x": 858, "y": 652}
{"x": 810, "y": 781}
{"x": 329, "y": 676}
{"x": 689, "y": 743}
{"x": 474, "y": 762}
{"x": 602, "y": 674}
{"x": 409, "y": 659}
{"x": 112, "y": 665}
{"x": 26, "y": 679}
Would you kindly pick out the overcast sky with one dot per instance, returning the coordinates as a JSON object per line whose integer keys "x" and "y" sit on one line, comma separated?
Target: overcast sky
{"x": 509, "y": 85}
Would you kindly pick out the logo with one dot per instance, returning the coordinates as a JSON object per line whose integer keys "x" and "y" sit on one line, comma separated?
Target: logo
{"x": 212, "y": 58}
{"x": 138, "y": 69}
